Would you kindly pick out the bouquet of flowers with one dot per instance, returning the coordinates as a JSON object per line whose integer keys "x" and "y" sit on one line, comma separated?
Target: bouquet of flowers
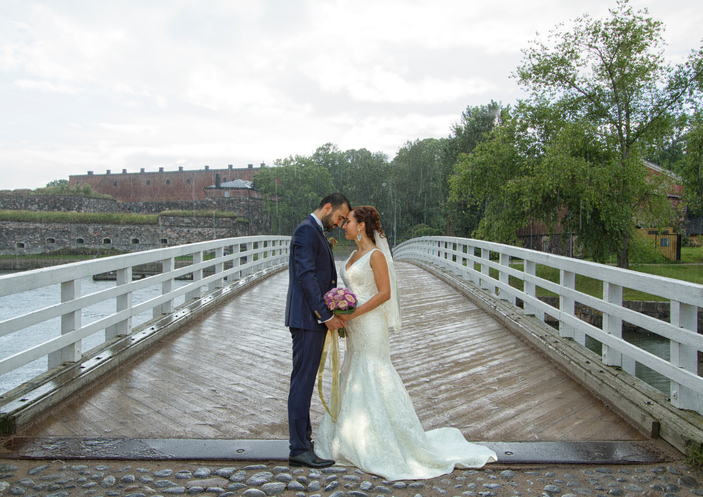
{"x": 340, "y": 301}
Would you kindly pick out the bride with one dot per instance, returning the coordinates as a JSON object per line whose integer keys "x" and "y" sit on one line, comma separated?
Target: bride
{"x": 377, "y": 429}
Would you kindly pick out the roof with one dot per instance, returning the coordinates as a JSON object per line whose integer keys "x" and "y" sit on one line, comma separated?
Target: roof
{"x": 237, "y": 184}
{"x": 661, "y": 170}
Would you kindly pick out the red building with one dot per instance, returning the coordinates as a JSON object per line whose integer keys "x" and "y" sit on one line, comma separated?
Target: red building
{"x": 166, "y": 186}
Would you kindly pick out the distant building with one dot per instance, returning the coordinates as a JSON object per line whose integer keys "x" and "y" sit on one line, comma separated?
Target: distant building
{"x": 537, "y": 236}
{"x": 229, "y": 189}
{"x": 169, "y": 186}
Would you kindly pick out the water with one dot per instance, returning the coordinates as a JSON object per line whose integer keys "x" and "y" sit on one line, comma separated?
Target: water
{"x": 653, "y": 344}
{"x": 21, "y": 303}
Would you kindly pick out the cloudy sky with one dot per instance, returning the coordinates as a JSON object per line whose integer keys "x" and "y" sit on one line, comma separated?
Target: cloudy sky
{"x": 97, "y": 85}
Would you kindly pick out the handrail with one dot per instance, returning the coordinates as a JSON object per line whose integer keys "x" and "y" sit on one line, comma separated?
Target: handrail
{"x": 234, "y": 258}
{"x": 490, "y": 266}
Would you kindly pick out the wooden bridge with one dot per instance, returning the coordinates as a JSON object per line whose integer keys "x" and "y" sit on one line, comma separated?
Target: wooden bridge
{"x": 223, "y": 375}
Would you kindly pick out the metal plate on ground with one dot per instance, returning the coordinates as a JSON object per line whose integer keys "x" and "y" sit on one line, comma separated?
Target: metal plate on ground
{"x": 259, "y": 450}
{"x": 575, "y": 452}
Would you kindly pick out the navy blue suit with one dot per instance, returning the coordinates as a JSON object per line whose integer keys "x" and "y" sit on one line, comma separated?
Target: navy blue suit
{"x": 311, "y": 272}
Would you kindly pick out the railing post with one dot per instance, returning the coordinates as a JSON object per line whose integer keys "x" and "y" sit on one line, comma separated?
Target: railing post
{"x": 250, "y": 259}
{"x": 196, "y": 293}
{"x": 486, "y": 282}
{"x": 219, "y": 267}
{"x": 71, "y": 321}
{"x": 685, "y": 316}
{"x": 504, "y": 277}
{"x": 613, "y": 325}
{"x": 167, "y": 286}
{"x": 566, "y": 304}
{"x": 463, "y": 249}
{"x": 124, "y": 301}
{"x": 236, "y": 249}
{"x": 531, "y": 290}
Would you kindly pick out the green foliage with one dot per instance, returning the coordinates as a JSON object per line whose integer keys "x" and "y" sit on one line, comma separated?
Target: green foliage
{"x": 489, "y": 180}
{"x": 77, "y": 217}
{"x": 463, "y": 214}
{"x": 691, "y": 165}
{"x": 58, "y": 182}
{"x": 694, "y": 454}
{"x": 62, "y": 188}
{"x": 424, "y": 230}
{"x": 292, "y": 190}
{"x": 643, "y": 250}
{"x": 420, "y": 183}
{"x": 181, "y": 213}
{"x": 571, "y": 156}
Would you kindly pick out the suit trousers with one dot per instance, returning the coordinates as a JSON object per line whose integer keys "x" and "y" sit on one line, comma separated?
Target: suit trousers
{"x": 307, "y": 350}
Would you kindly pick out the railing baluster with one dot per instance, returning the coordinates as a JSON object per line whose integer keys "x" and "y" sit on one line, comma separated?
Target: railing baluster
{"x": 566, "y": 304}
{"x": 124, "y": 301}
{"x": 504, "y": 277}
{"x": 613, "y": 325}
{"x": 219, "y": 267}
{"x": 71, "y": 321}
{"x": 686, "y": 317}
{"x": 486, "y": 281}
{"x": 236, "y": 248}
{"x": 196, "y": 293}
{"x": 531, "y": 290}
{"x": 167, "y": 286}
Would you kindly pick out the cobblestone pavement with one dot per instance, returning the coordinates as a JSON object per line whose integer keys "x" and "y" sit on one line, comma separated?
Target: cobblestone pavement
{"x": 256, "y": 479}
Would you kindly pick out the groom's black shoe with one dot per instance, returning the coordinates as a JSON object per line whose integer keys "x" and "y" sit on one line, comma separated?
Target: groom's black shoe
{"x": 310, "y": 460}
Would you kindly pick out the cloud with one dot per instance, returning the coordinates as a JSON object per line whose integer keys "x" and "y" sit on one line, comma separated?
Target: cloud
{"x": 45, "y": 86}
{"x": 131, "y": 84}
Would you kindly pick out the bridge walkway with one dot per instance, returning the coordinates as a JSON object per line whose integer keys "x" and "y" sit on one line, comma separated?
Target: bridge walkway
{"x": 225, "y": 376}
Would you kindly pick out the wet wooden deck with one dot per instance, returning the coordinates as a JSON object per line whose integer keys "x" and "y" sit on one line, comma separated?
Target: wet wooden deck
{"x": 226, "y": 376}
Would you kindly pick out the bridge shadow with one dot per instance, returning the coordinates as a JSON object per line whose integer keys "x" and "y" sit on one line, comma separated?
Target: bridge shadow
{"x": 225, "y": 376}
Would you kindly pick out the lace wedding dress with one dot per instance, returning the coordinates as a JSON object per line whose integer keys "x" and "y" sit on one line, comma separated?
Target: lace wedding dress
{"x": 377, "y": 429}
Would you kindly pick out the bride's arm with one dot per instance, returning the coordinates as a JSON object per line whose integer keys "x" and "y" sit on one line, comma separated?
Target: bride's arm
{"x": 383, "y": 283}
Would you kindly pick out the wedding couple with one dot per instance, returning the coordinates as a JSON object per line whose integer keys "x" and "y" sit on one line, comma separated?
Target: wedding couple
{"x": 377, "y": 429}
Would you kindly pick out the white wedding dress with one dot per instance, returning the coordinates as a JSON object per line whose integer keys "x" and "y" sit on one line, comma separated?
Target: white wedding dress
{"x": 377, "y": 429}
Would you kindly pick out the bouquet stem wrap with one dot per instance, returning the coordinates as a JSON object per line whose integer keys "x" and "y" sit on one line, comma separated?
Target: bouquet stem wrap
{"x": 331, "y": 342}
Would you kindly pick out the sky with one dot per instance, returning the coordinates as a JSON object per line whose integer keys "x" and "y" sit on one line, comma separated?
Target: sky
{"x": 95, "y": 85}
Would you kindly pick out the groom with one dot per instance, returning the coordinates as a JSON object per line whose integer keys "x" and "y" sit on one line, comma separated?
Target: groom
{"x": 311, "y": 273}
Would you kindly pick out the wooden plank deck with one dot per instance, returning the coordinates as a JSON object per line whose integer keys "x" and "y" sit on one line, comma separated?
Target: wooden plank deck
{"x": 226, "y": 376}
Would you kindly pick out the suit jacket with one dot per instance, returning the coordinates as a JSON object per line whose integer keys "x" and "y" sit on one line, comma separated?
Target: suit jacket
{"x": 311, "y": 273}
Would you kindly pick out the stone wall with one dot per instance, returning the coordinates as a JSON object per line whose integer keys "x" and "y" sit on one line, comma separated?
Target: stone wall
{"x": 64, "y": 203}
{"x": 36, "y": 238}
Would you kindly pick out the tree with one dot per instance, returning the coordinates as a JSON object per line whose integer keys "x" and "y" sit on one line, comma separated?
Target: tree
{"x": 58, "y": 182}
{"x": 488, "y": 180}
{"x": 292, "y": 190}
{"x": 464, "y": 215}
{"x": 607, "y": 82}
{"x": 419, "y": 184}
{"x": 366, "y": 172}
{"x": 691, "y": 165}
{"x": 334, "y": 160}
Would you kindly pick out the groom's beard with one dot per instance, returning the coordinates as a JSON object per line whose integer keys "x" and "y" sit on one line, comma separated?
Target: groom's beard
{"x": 327, "y": 222}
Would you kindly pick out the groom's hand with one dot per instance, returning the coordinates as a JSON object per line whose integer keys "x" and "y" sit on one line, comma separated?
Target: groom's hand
{"x": 335, "y": 323}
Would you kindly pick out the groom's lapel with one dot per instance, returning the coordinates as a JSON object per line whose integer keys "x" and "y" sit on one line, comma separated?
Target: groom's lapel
{"x": 322, "y": 234}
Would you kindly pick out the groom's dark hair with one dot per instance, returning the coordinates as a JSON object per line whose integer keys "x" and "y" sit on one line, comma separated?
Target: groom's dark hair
{"x": 336, "y": 199}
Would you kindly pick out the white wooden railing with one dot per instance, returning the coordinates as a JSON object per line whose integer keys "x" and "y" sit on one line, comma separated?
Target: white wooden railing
{"x": 234, "y": 258}
{"x": 510, "y": 273}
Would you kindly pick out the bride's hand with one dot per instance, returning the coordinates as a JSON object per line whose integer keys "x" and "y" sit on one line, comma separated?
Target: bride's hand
{"x": 346, "y": 317}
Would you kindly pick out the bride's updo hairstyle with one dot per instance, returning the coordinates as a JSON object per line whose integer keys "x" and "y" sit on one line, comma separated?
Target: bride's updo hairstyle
{"x": 369, "y": 215}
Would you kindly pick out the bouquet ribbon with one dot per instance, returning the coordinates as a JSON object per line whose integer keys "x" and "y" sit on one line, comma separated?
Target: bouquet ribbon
{"x": 331, "y": 341}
